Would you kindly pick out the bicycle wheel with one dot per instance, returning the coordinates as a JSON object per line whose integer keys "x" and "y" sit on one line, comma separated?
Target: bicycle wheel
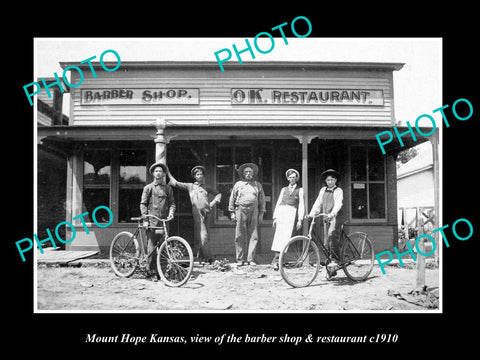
{"x": 124, "y": 252}
{"x": 175, "y": 261}
{"x": 357, "y": 256}
{"x": 299, "y": 261}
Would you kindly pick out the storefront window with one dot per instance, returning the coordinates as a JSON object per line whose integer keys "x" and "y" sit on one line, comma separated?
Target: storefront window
{"x": 228, "y": 160}
{"x": 115, "y": 178}
{"x": 377, "y": 201}
{"x": 242, "y": 154}
{"x": 359, "y": 201}
{"x": 96, "y": 183}
{"x": 225, "y": 168}
{"x": 376, "y": 165}
{"x": 358, "y": 161}
{"x": 367, "y": 183}
{"x": 132, "y": 179}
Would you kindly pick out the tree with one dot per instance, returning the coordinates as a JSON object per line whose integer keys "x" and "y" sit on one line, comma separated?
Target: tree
{"x": 406, "y": 155}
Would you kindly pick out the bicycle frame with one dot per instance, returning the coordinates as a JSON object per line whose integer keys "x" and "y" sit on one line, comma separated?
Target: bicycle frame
{"x": 300, "y": 264}
{"x": 314, "y": 238}
{"x": 174, "y": 257}
{"x": 311, "y": 237}
{"x": 138, "y": 235}
{"x": 328, "y": 253}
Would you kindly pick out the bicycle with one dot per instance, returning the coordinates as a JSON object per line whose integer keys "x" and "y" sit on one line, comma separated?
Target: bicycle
{"x": 174, "y": 254}
{"x": 299, "y": 262}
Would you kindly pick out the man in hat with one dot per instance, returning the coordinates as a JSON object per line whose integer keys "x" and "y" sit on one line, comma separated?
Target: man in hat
{"x": 157, "y": 199}
{"x": 201, "y": 208}
{"x": 329, "y": 201}
{"x": 246, "y": 206}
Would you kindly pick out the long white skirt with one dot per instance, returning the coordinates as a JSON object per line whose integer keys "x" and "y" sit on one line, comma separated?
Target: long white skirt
{"x": 284, "y": 226}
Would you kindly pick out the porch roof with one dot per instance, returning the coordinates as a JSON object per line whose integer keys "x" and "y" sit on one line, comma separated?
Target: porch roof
{"x": 68, "y": 134}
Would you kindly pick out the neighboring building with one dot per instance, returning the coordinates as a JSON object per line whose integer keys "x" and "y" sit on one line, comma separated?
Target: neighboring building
{"x": 50, "y": 109}
{"x": 309, "y": 115}
{"x": 415, "y": 188}
{"x": 51, "y": 164}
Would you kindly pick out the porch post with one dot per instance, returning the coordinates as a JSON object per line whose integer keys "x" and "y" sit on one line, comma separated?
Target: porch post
{"x": 434, "y": 140}
{"x": 305, "y": 140}
{"x": 160, "y": 142}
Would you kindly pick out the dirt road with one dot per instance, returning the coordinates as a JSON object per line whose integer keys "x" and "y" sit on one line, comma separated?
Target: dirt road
{"x": 95, "y": 287}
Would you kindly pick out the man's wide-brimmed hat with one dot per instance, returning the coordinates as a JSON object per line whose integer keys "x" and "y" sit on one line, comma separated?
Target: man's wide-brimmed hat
{"x": 331, "y": 172}
{"x": 195, "y": 168}
{"x": 289, "y": 171}
{"x": 250, "y": 165}
{"x": 153, "y": 166}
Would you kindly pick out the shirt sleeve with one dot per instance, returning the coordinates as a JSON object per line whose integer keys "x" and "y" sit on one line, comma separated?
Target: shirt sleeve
{"x": 217, "y": 195}
{"x": 233, "y": 197}
{"x": 301, "y": 205}
{"x": 214, "y": 192}
{"x": 171, "y": 202}
{"x": 338, "y": 201}
{"x": 261, "y": 198}
{"x": 145, "y": 200}
{"x": 181, "y": 185}
{"x": 316, "y": 206}
{"x": 279, "y": 200}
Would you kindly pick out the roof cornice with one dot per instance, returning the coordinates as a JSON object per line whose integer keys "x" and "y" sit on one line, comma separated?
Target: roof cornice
{"x": 372, "y": 66}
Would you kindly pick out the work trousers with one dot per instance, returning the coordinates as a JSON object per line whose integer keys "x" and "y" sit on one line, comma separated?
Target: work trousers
{"x": 332, "y": 240}
{"x": 201, "y": 229}
{"x": 152, "y": 241}
{"x": 246, "y": 232}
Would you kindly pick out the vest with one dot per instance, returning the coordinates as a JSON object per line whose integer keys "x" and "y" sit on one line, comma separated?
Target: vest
{"x": 290, "y": 199}
{"x": 327, "y": 201}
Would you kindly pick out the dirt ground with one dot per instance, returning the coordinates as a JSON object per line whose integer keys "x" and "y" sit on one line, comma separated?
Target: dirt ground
{"x": 94, "y": 287}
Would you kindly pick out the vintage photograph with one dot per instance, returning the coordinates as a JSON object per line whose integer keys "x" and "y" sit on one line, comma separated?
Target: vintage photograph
{"x": 231, "y": 175}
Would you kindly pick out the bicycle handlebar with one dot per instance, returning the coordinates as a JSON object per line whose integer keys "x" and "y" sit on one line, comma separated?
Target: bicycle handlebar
{"x": 321, "y": 214}
{"x": 164, "y": 220}
{"x": 141, "y": 218}
{"x": 313, "y": 222}
{"x": 318, "y": 215}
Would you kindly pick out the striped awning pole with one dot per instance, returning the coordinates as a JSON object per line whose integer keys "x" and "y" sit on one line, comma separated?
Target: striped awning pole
{"x": 160, "y": 143}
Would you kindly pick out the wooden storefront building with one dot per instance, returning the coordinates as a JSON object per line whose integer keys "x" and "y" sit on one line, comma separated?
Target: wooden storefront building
{"x": 310, "y": 116}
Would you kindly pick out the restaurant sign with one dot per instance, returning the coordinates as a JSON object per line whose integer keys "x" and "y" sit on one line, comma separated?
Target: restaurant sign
{"x": 307, "y": 97}
{"x": 135, "y": 96}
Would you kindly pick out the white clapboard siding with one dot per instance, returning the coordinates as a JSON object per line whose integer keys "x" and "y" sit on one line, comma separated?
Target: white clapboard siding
{"x": 215, "y": 106}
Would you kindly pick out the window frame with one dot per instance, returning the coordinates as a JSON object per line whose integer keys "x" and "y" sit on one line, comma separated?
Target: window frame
{"x": 114, "y": 186}
{"x": 96, "y": 186}
{"x": 120, "y": 186}
{"x": 367, "y": 182}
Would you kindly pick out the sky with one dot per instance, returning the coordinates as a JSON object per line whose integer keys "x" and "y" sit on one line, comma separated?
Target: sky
{"x": 417, "y": 86}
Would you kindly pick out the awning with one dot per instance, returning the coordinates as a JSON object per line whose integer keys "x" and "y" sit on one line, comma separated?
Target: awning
{"x": 65, "y": 134}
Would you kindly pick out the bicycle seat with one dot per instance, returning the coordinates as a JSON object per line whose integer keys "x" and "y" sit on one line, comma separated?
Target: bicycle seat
{"x": 136, "y": 218}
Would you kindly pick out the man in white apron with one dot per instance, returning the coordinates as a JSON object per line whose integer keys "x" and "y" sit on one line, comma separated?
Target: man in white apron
{"x": 290, "y": 207}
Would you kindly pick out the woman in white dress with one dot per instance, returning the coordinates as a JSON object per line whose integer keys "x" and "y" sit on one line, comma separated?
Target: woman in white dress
{"x": 290, "y": 207}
